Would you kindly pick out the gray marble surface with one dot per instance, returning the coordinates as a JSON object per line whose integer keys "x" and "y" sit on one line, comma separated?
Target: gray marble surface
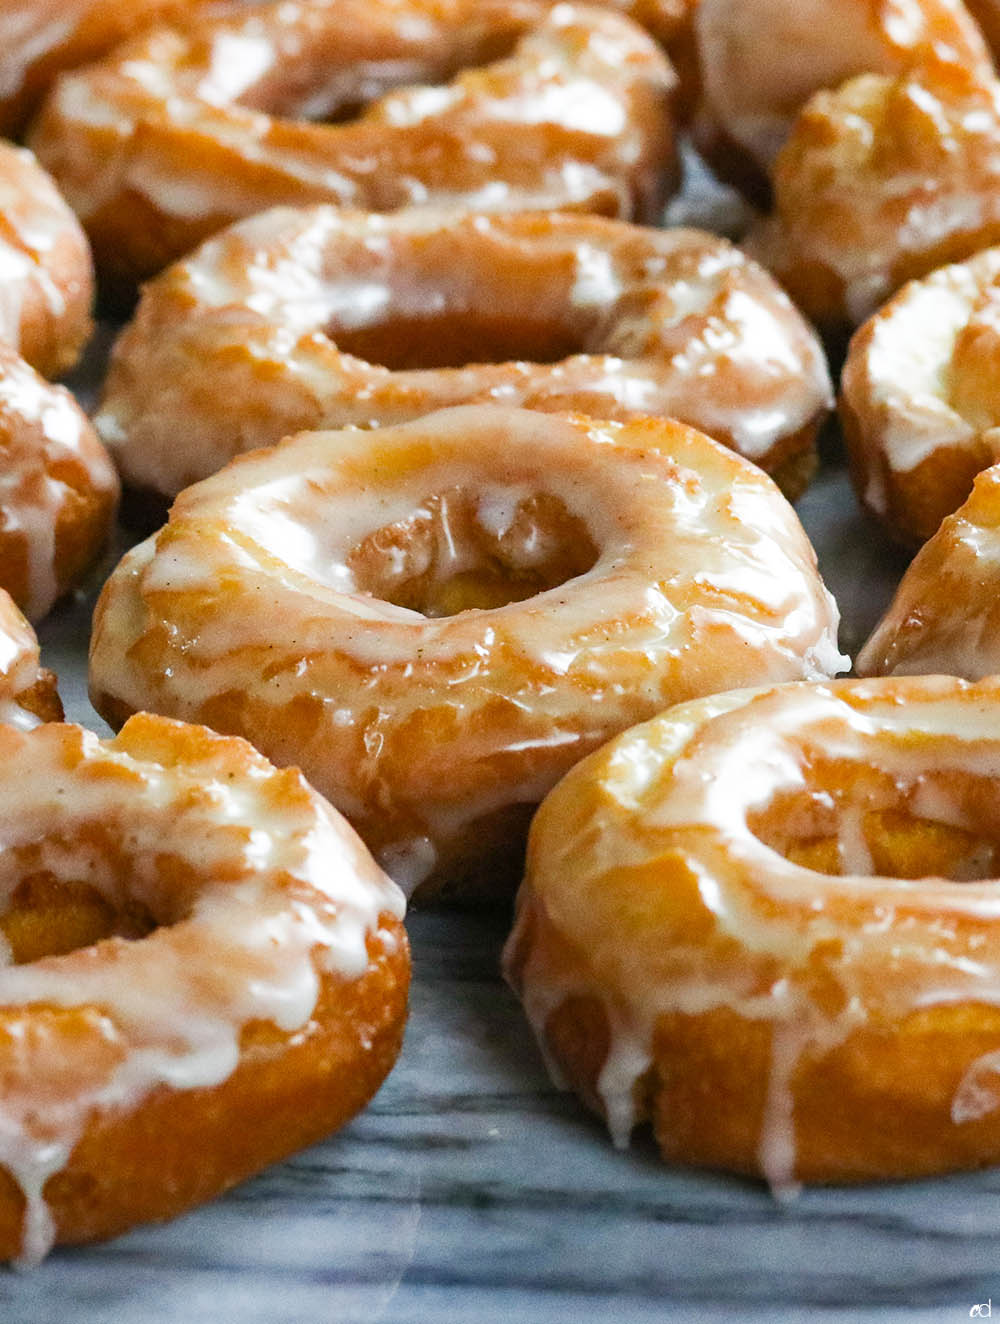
{"x": 473, "y": 1191}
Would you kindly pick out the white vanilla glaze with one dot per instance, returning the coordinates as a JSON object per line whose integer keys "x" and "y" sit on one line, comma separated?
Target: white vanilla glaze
{"x": 702, "y": 579}
{"x": 19, "y": 669}
{"x": 576, "y": 116}
{"x": 796, "y": 49}
{"x": 682, "y": 789}
{"x": 944, "y": 618}
{"x": 278, "y": 891}
{"x": 237, "y": 345}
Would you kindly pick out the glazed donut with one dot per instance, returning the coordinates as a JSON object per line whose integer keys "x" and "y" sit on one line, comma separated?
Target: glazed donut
{"x": 47, "y": 284}
{"x": 436, "y": 620}
{"x": 881, "y": 181}
{"x": 241, "y": 991}
{"x": 987, "y": 15}
{"x": 172, "y": 137}
{"x": 920, "y": 403}
{"x": 28, "y": 694}
{"x": 40, "y": 38}
{"x": 945, "y": 616}
{"x": 796, "y": 48}
{"x": 277, "y": 325}
{"x": 741, "y": 922}
{"x": 58, "y": 488}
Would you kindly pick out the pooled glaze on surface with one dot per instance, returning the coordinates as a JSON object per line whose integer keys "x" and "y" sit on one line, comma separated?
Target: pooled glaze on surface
{"x": 715, "y": 883}
{"x": 921, "y": 403}
{"x": 797, "y": 49}
{"x": 27, "y": 693}
{"x": 261, "y": 894}
{"x": 274, "y": 604}
{"x": 259, "y": 333}
{"x": 173, "y": 137}
{"x": 945, "y": 616}
{"x": 881, "y": 181}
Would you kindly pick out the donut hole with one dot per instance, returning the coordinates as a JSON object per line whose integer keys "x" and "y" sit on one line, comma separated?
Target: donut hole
{"x": 49, "y": 916}
{"x": 456, "y": 338}
{"x": 867, "y": 823}
{"x": 461, "y": 551}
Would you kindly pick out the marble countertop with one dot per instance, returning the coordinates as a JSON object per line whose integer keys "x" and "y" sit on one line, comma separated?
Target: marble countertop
{"x": 472, "y": 1190}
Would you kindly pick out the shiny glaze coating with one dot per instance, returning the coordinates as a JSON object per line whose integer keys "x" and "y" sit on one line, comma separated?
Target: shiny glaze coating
{"x": 435, "y": 621}
{"x": 27, "y": 693}
{"x": 920, "y": 396}
{"x": 945, "y": 616}
{"x": 40, "y": 38}
{"x": 267, "y": 328}
{"x": 795, "y": 50}
{"x": 743, "y": 921}
{"x": 228, "y": 984}
{"x": 180, "y": 133}
{"x": 883, "y": 180}
{"x": 58, "y": 488}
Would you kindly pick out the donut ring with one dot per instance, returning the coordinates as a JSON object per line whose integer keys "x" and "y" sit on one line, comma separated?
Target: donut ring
{"x": 267, "y": 328}
{"x": 687, "y": 953}
{"x": 987, "y": 15}
{"x": 155, "y": 150}
{"x": 231, "y": 892}
{"x": 945, "y": 615}
{"x": 40, "y": 38}
{"x": 58, "y": 488}
{"x": 27, "y": 693}
{"x": 919, "y": 405}
{"x": 457, "y": 610}
{"x": 798, "y": 49}
{"x": 881, "y": 181}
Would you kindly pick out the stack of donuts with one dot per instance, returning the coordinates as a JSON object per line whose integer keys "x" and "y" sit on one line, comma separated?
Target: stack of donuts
{"x": 474, "y": 573}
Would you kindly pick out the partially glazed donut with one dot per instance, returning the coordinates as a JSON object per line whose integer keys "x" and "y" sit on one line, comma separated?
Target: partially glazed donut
{"x": 761, "y": 60}
{"x": 436, "y": 620}
{"x": 881, "y": 181}
{"x": 767, "y": 922}
{"x": 945, "y": 616}
{"x": 920, "y": 401}
{"x": 58, "y": 488}
{"x": 27, "y": 693}
{"x": 173, "y": 136}
{"x": 203, "y": 971}
{"x": 319, "y": 318}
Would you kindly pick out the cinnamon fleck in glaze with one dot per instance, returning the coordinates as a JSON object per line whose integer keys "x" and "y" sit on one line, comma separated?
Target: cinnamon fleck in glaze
{"x": 246, "y": 996}
{"x": 27, "y": 693}
{"x": 180, "y": 133}
{"x": 317, "y": 318}
{"x": 768, "y": 922}
{"x": 883, "y": 180}
{"x": 436, "y": 620}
